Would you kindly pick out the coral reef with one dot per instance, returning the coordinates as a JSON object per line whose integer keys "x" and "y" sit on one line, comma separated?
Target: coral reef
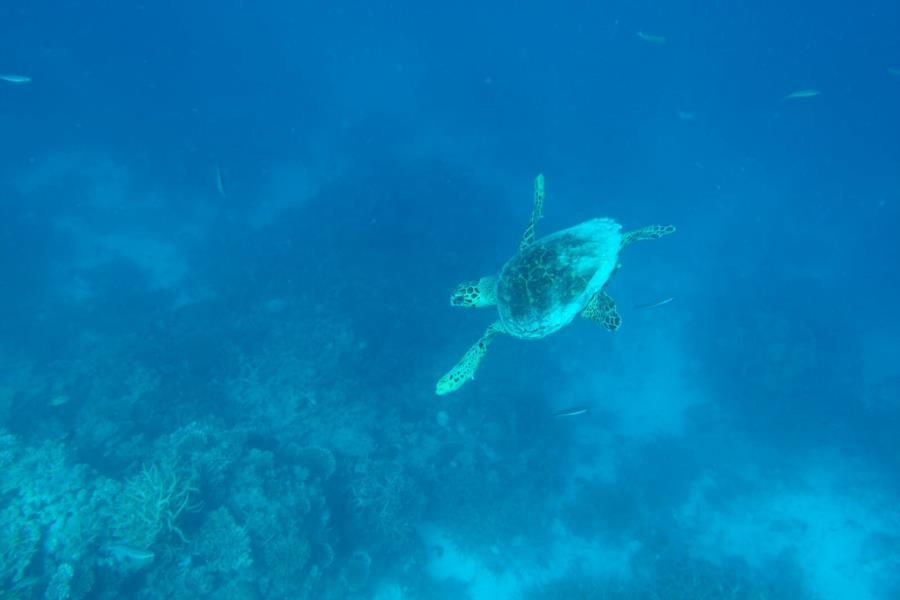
{"x": 65, "y": 530}
{"x": 54, "y": 515}
{"x": 151, "y": 503}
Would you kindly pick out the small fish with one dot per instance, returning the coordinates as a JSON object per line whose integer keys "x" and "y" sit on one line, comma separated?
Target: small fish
{"x": 655, "y": 304}
{"x": 894, "y": 71}
{"x": 15, "y": 78}
{"x": 59, "y": 400}
{"x": 571, "y": 412}
{"x": 651, "y": 39}
{"x": 803, "y": 94}
{"x": 220, "y": 182}
{"x": 128, "y": 554}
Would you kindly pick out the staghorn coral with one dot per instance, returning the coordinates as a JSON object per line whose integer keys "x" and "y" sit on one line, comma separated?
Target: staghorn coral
{"x": 151, "y": 503}
{"x": 19, "y": 539}
{"x": 205, "y": 449}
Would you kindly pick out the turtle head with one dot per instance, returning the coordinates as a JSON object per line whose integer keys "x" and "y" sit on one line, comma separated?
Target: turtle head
{"x": 475, "y": 294}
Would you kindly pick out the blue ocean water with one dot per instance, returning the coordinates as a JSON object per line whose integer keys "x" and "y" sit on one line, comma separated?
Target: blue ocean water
{"x": 229, "y": 234}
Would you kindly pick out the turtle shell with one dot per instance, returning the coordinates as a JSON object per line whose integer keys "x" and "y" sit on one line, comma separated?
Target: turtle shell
{"x": 546, "y": 284}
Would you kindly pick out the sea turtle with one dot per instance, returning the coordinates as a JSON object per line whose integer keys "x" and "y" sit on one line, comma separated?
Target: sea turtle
{"x": 547, "y": 283}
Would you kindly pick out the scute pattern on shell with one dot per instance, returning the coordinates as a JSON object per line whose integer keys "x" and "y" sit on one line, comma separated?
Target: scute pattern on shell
{"x": 545, "y": 285}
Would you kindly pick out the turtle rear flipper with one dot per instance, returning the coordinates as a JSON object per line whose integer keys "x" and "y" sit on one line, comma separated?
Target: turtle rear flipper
{"x": 475, "y": 294}
{"x": 468, "y": 364}
{"x": 602, "y": 309}
{"x": 536, "y": 213}
{"x": 653, "y": 232}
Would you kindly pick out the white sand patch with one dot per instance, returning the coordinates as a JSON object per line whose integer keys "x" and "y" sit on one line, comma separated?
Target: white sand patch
{"x": 881, "y": 371}
{"x": 54, "y": 168}
{"x": 84, "y": 178}
{"x": 833, "y": 523}
{"x": 646, "y": 382}
{"x": 597, "y": 452}
{"x": 507, "y": 570}
{"x": 89, "y": 184}
{"x": 288, "y": 186}
{"x": 95, "y": 195}
{"x": 160, "y": 260}
{"x": 390, "y": 590}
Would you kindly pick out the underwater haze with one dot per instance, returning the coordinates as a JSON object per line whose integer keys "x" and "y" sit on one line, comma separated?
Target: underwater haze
{"x": 230, "y": 232}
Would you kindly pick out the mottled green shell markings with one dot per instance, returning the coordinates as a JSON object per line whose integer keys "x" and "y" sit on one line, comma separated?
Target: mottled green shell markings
{"x": 543, "y": 287}
{"x": 546, "y": 284}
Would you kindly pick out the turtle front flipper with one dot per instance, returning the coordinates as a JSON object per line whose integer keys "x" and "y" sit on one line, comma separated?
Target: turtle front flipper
{"x": 653, "y": 232}
{"x": 468, "y": 364}
{"x": 536, "y": 213}
{"x": 602, "y": 309}
{"x": 475, "y": 294}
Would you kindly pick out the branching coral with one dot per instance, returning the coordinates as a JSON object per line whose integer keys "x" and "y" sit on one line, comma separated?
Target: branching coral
{"x": 151, "y": 503}
{"x": 19, "y": 539}
{"x": 320, "y": 462}
{"x": 60, "y": 586}
{"x": 385, "y": 500}
{"x": 52, "y": 513}
{"x": 222, "y": 544}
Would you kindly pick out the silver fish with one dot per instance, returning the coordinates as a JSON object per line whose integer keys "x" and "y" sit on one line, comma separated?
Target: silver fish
{"x": 15, "y": 78}
{"x": 220, "y": 182}
{"x": 571, "y": 412}
{"x": 128, "y": 554}
{"x": 651, "y": 39}
{"x": 655, "y": 304}
{"x": 803, "y": 94}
